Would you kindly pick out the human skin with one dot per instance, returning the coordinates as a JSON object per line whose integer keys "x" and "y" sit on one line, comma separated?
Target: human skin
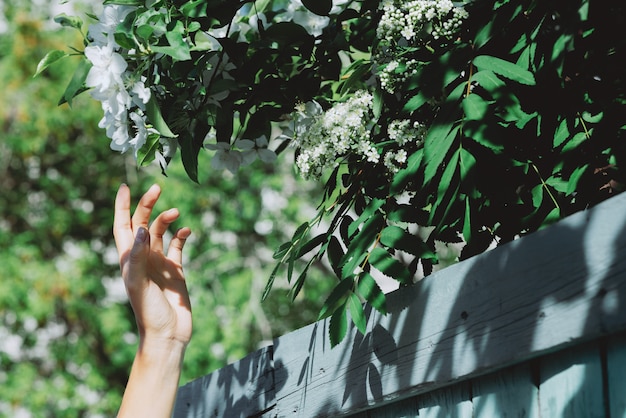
{"x": 156, "y": 287}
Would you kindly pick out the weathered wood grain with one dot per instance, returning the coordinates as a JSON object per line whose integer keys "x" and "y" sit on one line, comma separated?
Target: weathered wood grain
{"x": 507, "y": 393}
{"x": 571, "y": 384}
{"x": 242, "y": 389}
{"x": 555, "y": 288}
{"x": 616, "y": 375}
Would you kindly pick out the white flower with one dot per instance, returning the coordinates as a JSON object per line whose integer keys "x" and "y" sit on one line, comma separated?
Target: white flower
{"x": 108, "y": 67}
{"x": 103, "y": 31}
{"x": 255, "y": 149}
{"x": 225, "y": 157}
{"x": 142, "y": 131}
{"x": 169, "y": 146}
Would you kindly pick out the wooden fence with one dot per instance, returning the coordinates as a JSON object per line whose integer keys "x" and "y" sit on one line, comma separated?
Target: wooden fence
{"x": 534, "y": 328}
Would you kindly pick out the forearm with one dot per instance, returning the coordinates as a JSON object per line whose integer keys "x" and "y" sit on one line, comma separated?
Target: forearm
{"x": 153, "y": 382}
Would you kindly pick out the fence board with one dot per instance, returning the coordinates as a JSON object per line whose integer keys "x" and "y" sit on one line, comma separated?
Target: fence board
{"x": 508, "y": 393}
{"x": 571, "y": 384}
{"x": 555, "y": 288}
{"x": 616, "y": 370}
{"x": 241, "y": 389}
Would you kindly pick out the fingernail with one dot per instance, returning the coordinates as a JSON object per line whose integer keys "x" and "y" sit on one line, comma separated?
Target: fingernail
{"x": 142, "y": 234}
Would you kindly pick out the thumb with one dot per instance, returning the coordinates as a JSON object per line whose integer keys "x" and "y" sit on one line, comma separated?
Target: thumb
{"x": 139, "y": 255}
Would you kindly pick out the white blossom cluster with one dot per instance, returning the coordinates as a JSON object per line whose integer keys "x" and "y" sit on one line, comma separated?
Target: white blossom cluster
{"x": 402, "y": 132}
{"x": 324, "y": 138}
{"x": 396, "y": 72}
{"x": 410, "y": 24}
{"x": 417, "y": 20}
{"x": 123, "y": 94}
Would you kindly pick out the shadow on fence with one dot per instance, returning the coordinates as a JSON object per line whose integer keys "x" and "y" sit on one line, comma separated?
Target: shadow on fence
{"x": 559, "y": 288}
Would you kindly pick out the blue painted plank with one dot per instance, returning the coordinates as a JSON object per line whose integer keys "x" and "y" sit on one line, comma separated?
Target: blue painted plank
{"x": 449, "y": 402}
{"x": 616, "y": 368}
{"x": 508, "y": 393}
{"x": 571, "y": 383}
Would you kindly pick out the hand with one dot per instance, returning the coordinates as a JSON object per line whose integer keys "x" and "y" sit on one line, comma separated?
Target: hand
{"x": 156, "y": 287}
{"x": 154, "y": 281}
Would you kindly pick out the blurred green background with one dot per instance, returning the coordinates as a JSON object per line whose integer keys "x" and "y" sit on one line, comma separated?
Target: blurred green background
{"x": 67, "y": 335}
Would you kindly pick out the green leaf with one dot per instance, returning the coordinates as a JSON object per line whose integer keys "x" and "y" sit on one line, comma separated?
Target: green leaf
{"x": 475, "y": 107}
{"x": 156, "y": 118}
{"x": 537, "y": 194}
{"x": 369, "y": 210}
{"x": 338, "y": 326}
{"x": 77, "y": 83}
{"x": 408, "y": 173}
{"x": 270, "y": 282}
{"x": 282, "y": 250}
{"x": 561, "y": 134}
{"x": 336, "y": 296}
{"x": 415, "y": 103}
{"x": 399, "y": 239}
{"x": 389, "y": 266}
{"x": 69, "y": 21}
{"x": 297, "y": 286}
{"x": 357, "y": 249}
{"x": 287, "y": 33}
{"x": 466, "y": 164}
{"x": 50, "y": 58}
{"x": 572, "y": 184}
{"x": 371, "y": 292}
{"x": 576, "y": 140}
{"x": 447, "y": 190}
{"x": 319, "y": 7}
{"x": 437, "y": 144}
{"x": 357, "y": 314}
{"x": 311, "y": 244}
{"x": 505, "y": 69}
{"x": 145, "y": 155}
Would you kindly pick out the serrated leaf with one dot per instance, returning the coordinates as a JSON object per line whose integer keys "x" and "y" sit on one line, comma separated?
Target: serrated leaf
{"x": 357, "y": 249}
{"x": 336, "y": 296}
{"x": 475, "y": 107}
{"x": 50, "y": 58}
{"x": 371, "y": 292}
{"x": 415, "y": 103}
{"x": 369, "y": 210}
{"x": 338, "y": 326}
{"x": 399, "y": 239}
{"x": 389, "y": 266}
{"x": 311, "y": 244}
{"x": 437, "y": 144}
{"x": 357, "y": 314}
{"x": 505, "y": 69}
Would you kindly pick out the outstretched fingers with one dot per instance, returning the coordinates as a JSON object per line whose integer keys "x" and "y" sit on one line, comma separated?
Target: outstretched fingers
{"x": 122, "y": 227}
{"x": 175, "y": 250}
{"x": 160, "y": 226}
{"x": 142, "y": 214}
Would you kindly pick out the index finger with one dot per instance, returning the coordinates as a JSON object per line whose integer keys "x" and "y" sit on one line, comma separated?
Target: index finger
{"x": 122, "y": 228}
